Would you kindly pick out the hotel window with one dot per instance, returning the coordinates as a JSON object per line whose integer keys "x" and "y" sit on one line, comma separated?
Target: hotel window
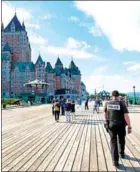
{"x": 12, "y": 27}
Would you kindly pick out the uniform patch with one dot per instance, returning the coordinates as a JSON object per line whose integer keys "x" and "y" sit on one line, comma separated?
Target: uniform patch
{"x": 113, "y": 107}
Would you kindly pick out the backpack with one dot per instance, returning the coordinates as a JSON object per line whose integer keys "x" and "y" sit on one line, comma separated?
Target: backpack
{"x": 56, "y": 107}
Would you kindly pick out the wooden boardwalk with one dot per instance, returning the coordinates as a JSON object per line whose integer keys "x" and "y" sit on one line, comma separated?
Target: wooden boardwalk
{"x": 33, "y": 141}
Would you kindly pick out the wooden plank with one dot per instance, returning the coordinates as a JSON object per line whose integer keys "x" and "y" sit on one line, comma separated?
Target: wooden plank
{"x": 20, "y": 145}
{"x": 134, "y": 141}
{"x": 23, "y": 152}
{"x": 79, "y": 155}
{"x": 50, "y": 157}
{"x": 93, "y": 149}
{"x": 70, "y": 160}
{"x": 133, "y": 150}
{"x": 58, "y": 155}
{"x": 86, "y": 153}
{"x": 100, "y": 153}
{"x": 28, "y": 162}
{"x": 64, "y": 156}
{"x": 132, "y": 159}
{"x": 17, "y": 142}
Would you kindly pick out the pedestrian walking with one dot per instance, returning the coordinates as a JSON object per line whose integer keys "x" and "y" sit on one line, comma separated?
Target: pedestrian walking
{"x": 62, "y": 105}
{"x": 53, "y": 101}
{"x": 73, "y": 110}
{"x": 56, "y": 110}
{"x": 68, "y": 110}
{"x": 116, "y": 116}
{"x": 96, "y": 106}
{"x": 86, "y": 104}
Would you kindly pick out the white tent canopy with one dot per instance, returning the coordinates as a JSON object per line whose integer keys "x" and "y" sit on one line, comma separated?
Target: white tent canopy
{"x": 35, "y": 83}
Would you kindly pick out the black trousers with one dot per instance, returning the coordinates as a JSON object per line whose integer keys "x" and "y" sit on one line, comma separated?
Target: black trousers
{"x": 86, "y": 106}
{"x": 62, "y": 110}
{"x": 56, "y": 113}
{"x": 117, "y": 134}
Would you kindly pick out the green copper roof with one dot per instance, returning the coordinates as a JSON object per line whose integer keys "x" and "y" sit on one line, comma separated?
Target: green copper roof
{"x": 23, "y": 65}
{"x": 58, "y": 62}
{"x": 82, "y": 84}
{"x": 72, "y": 65}
{"x": 4, "y": 56}
{"x": 7, "y": 48}
{"x": 39, "y": 60}
{"x": 73, "y": 69}
{"x": 49, "y": 68}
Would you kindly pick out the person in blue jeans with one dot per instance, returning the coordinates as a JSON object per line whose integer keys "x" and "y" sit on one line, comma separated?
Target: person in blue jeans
{"x": 96, "y": 105}
{"x": 68, "y": 110}
{"x": 62, "y": 105}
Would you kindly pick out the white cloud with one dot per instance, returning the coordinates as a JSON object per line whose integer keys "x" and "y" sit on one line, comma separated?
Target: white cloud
{"x": 129, "y": 62}
{"x": 47, "y": 16}
{"x": 95, "y": 31}
{"x": 23, "y": 14}
{"x": 96, "y": 49}
{"x": 37, "y": 39}
{"x": 69, "y": 52}
{"x": 74, "y": 19}
{"x": 110, "y": 82}
{"x": 100, "y": 69}
{"x": 134, "y": 67}
{"x": 36, "y": 26}
{"x": 72, "y": 47}
{"x": 8, "y": 10}
{"x": 118, "y": 20}
{"x": 75, "y": 44}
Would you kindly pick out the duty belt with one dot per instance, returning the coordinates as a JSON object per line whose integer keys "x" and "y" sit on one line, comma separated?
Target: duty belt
{"x": 115, "y": 121}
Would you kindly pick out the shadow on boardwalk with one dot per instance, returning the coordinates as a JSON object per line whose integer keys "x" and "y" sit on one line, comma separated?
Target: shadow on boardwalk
{"x": 122, "y": 167}
{"x": 87, "y": 122}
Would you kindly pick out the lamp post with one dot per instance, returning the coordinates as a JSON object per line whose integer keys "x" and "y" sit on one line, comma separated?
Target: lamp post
{"x": 134, "y": 95}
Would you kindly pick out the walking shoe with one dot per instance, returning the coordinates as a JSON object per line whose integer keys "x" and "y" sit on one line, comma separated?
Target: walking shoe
{"x": 122, "y": 156}
{"x": 115, "y": 163}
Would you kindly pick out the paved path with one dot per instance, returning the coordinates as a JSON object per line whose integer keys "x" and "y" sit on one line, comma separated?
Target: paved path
{"x": 33, "y": 141}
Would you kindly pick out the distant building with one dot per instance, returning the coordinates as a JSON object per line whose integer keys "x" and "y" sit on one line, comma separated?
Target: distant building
{"x": 18, "y": 69}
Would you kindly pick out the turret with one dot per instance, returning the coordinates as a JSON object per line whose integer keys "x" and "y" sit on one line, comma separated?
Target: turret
{"x": 58, "y": 67}
{"x": 23, "y": 26}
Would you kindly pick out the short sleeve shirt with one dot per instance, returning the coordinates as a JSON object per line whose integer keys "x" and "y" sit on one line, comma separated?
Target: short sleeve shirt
{"x": 124, "y": 107}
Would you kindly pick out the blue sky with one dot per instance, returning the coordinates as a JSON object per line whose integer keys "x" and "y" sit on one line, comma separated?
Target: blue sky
{"x": 103, "y": 38}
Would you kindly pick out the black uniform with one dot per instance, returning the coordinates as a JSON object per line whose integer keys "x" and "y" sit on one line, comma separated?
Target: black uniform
{"x": 116, "y": 126}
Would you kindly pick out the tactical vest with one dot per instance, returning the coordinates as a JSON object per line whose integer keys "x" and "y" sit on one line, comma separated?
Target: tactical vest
{"x": 115, "y": 111}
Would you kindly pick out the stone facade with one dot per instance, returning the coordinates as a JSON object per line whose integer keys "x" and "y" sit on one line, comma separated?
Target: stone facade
{"x": 18, "y": 69}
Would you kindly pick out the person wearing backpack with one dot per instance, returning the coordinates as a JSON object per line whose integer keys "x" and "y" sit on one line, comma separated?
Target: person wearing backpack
{"x": 56, "y": 110}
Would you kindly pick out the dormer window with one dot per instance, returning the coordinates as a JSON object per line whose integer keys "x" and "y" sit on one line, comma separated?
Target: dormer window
{"x": 12, "y": 27}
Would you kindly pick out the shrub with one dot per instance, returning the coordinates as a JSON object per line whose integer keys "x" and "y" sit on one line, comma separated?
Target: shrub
{"x": 4, "y": 106}
{"x": 9, "y": 101}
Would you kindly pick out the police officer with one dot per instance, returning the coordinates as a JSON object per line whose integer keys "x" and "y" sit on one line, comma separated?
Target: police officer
{"x": 116, "y": 116}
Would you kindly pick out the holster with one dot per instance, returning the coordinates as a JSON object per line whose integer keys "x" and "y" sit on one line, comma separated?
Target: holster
{"x": 106, "y": 125}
